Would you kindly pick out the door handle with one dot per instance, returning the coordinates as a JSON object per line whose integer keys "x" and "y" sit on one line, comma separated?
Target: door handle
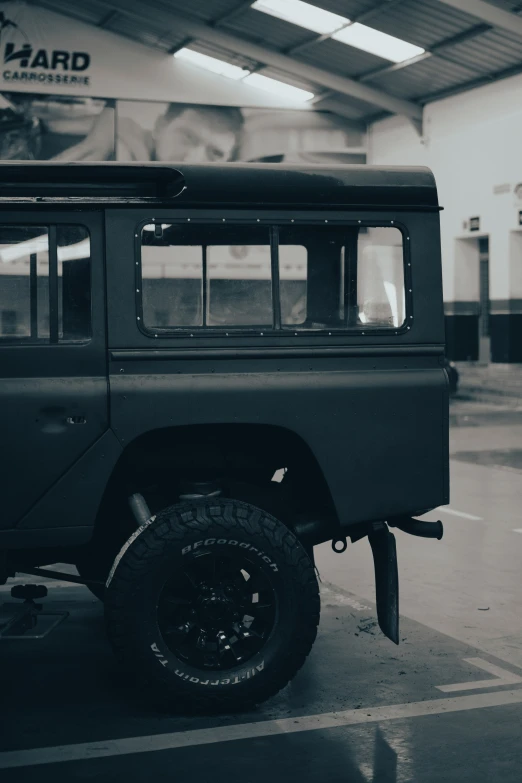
{"x": 76, "y": 420}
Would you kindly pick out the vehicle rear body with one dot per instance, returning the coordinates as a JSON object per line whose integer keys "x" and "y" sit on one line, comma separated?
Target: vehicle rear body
{"x": 365, "y": 401}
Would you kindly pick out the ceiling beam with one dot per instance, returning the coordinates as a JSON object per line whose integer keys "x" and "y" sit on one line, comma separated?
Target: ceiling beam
{"x": 234, "y": 14}
{"x": 393, "y": 67}
{"x": 343, "y": 109}
{"x": 181, "y": 45}
{"x": 107, "y": 18}
{"x": 261, "y": 54}
{"x": 496, "y": 17}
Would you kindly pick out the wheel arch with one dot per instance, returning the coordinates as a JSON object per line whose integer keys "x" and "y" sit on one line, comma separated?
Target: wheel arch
{"x": 246, "y": 452}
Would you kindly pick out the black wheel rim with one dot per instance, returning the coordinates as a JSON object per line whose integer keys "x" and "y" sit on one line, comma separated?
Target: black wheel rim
{"x": 218, "y": 612}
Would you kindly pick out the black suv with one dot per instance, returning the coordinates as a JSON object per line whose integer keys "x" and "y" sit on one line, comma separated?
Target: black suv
{"x": 207, "y": 371}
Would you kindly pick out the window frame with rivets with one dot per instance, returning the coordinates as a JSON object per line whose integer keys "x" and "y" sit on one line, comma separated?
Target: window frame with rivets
{"x": 296, "y": 277}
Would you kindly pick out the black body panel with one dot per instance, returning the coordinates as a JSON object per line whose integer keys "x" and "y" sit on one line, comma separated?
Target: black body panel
{"x": 371, "y": 408}
{"x": 379, "y": 456}
{"x": 43, "y": 385}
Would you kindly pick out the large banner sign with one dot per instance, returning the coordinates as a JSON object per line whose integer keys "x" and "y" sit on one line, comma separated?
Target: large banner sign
{"x": 44, "y": 51}
{"x": 28, "y": 65}
{"x": 27, "y": 58}
{"x": 62, "y": 128}
{"x": 50, "y": 127}
{"x": 66, "y": 93}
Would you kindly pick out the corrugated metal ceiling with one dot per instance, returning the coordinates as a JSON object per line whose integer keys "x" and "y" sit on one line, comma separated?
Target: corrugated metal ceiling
{"x": 342, "y": 59}
{"x": 149, "y": 34}
{"x": 265, "y": 29}
{"x": 464, "y": 47}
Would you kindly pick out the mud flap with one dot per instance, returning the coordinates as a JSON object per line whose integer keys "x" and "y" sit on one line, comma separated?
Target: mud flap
{"x": 384, "y": 551}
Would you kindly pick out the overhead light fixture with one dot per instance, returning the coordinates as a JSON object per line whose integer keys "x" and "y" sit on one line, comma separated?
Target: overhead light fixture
{"x": 235, "y": 72}
{"x": 340, "y": 29}
{"x": 303, "y": 14}
{"x": 211, "y": 64}
{"x": 278, "y": 88}
{"x": 381, "y": 44}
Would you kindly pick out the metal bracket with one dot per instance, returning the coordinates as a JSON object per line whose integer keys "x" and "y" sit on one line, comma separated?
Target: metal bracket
{"x": 418, "y": 125}
{"x": 27, "y": 620}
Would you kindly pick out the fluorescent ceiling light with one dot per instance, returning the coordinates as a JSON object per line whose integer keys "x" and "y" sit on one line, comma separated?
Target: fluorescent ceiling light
{"x": 339, "y": 27}
{"x": 235, "y": 72}
{"x": 381, "y": 44}
{"x": 303, "y": 14}
{"x": 211, "y": 64}
{"x": 278, "y": 88}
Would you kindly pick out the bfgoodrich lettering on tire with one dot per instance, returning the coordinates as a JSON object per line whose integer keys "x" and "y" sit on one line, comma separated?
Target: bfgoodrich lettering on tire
{"x": 214, "y": 604}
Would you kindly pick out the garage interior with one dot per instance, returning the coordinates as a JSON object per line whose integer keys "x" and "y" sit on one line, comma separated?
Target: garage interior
{"x": 434, "y": 83}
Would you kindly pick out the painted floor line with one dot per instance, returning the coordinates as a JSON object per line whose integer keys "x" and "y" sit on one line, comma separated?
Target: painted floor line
{"x": 248, "y": 731}
{"x": 501, "y": 677}
{"x": 462, "y": 514}
{"x": 517, "y": 530}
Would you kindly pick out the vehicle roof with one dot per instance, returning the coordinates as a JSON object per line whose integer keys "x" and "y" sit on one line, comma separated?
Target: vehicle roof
{"x": 239, "y": 184}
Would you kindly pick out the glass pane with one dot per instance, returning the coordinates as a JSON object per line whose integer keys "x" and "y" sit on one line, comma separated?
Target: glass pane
{"x": 311, "y": 276}
{"x": 239, "y": 285}
{"x": 206, "y": 275}
{"x": 293, "y": 283}
{"x": 380, "y": 278}
{"x": 341, "y": 277}
{"x": 74, "y": 283}
{"x": 24, "y": 283}
{"x": 172, "y": 277}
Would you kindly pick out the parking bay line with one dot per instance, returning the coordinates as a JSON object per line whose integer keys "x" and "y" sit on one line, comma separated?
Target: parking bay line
{"x": 501, "y": 677}
{"x": 463, "y": 514}
{"x": 246, "y": 731}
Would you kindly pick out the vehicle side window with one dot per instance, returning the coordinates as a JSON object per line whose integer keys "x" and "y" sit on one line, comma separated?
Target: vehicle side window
{"x": 380, "y": 278}
{"x": 45, "y": 284}
{"x": 205, "y": 276}
{"x": 24, "y": 283}
{"x": 219, "y": 276}
{"x": 341, "y": 277}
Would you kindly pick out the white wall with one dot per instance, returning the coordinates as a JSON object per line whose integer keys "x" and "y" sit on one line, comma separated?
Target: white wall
{"x": 473, "y": 144}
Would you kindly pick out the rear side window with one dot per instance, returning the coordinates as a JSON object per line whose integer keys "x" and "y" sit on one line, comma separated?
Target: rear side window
{"x": 341, "y": 278}
{"x": 206, "y": 276}
{"x": 381, "y": 293}
{"x": 45, "y": 284}
{"x": 292, "y": 277}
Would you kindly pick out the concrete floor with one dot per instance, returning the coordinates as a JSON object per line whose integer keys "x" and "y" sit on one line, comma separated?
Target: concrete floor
{"x": 446, "y": 705}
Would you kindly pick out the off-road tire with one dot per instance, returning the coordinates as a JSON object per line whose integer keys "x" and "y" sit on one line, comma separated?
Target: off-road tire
{"x": 95, "y": 559}
{"x": 95, "y": 562}
{"x": 150, "y": 557}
